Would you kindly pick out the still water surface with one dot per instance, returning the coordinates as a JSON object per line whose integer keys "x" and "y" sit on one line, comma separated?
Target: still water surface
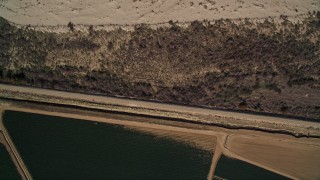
{"x": 56, "y": 147}
{"x": 7, "y": 168}
{"x": 228, "y": 168}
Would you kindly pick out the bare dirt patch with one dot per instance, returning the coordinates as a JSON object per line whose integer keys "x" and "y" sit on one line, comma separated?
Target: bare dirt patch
{"x": 295, "y": 157}
{"x": 97, "y": 12}
{"x": 207, "y": 143}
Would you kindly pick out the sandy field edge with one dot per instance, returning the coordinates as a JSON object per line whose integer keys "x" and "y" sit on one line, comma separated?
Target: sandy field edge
{"x": 300, "y": 159}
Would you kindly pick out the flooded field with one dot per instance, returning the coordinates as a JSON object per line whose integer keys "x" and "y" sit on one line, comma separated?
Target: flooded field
{"x": 79, "y": 145}
{"x": 228, "y": 168}
{"x": 7, "y": 168}
{"x": 59, "y": 147}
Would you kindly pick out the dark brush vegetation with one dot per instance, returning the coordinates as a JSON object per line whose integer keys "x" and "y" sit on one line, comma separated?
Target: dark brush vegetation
{"x": 262, "y": 66}
{"x": 71, "y": 26}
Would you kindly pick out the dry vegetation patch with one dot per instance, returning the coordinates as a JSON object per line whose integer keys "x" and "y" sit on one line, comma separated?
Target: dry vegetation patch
{"x": 262, "y": 66}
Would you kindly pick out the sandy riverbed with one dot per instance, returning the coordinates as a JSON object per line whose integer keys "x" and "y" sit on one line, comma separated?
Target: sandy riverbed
{"x": 96, "y": 12}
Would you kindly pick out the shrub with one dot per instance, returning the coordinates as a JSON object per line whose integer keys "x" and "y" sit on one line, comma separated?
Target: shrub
{"x": 71, "y": 26}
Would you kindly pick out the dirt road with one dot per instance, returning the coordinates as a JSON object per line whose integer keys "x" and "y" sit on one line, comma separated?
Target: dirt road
{"x": 160, "y": 106}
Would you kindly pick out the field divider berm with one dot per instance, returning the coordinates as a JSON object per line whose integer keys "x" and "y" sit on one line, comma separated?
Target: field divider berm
{"x": 226, "y": 119}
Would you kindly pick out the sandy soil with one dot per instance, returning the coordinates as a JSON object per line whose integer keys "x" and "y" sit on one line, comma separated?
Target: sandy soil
{"x": 214, "y": 161}
{"x": 204, "y": 142}
{"x": 275, "y": 152}
{"x": 296, "y": 158}
{"x": 95, "y": 12}
{"x": 2, "y": 139}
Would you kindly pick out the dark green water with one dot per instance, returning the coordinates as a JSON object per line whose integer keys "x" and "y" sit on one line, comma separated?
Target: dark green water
{"x": 56, "y": 148}
{"x": 7, "y": 168}
{"x": 235, "y": 169}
